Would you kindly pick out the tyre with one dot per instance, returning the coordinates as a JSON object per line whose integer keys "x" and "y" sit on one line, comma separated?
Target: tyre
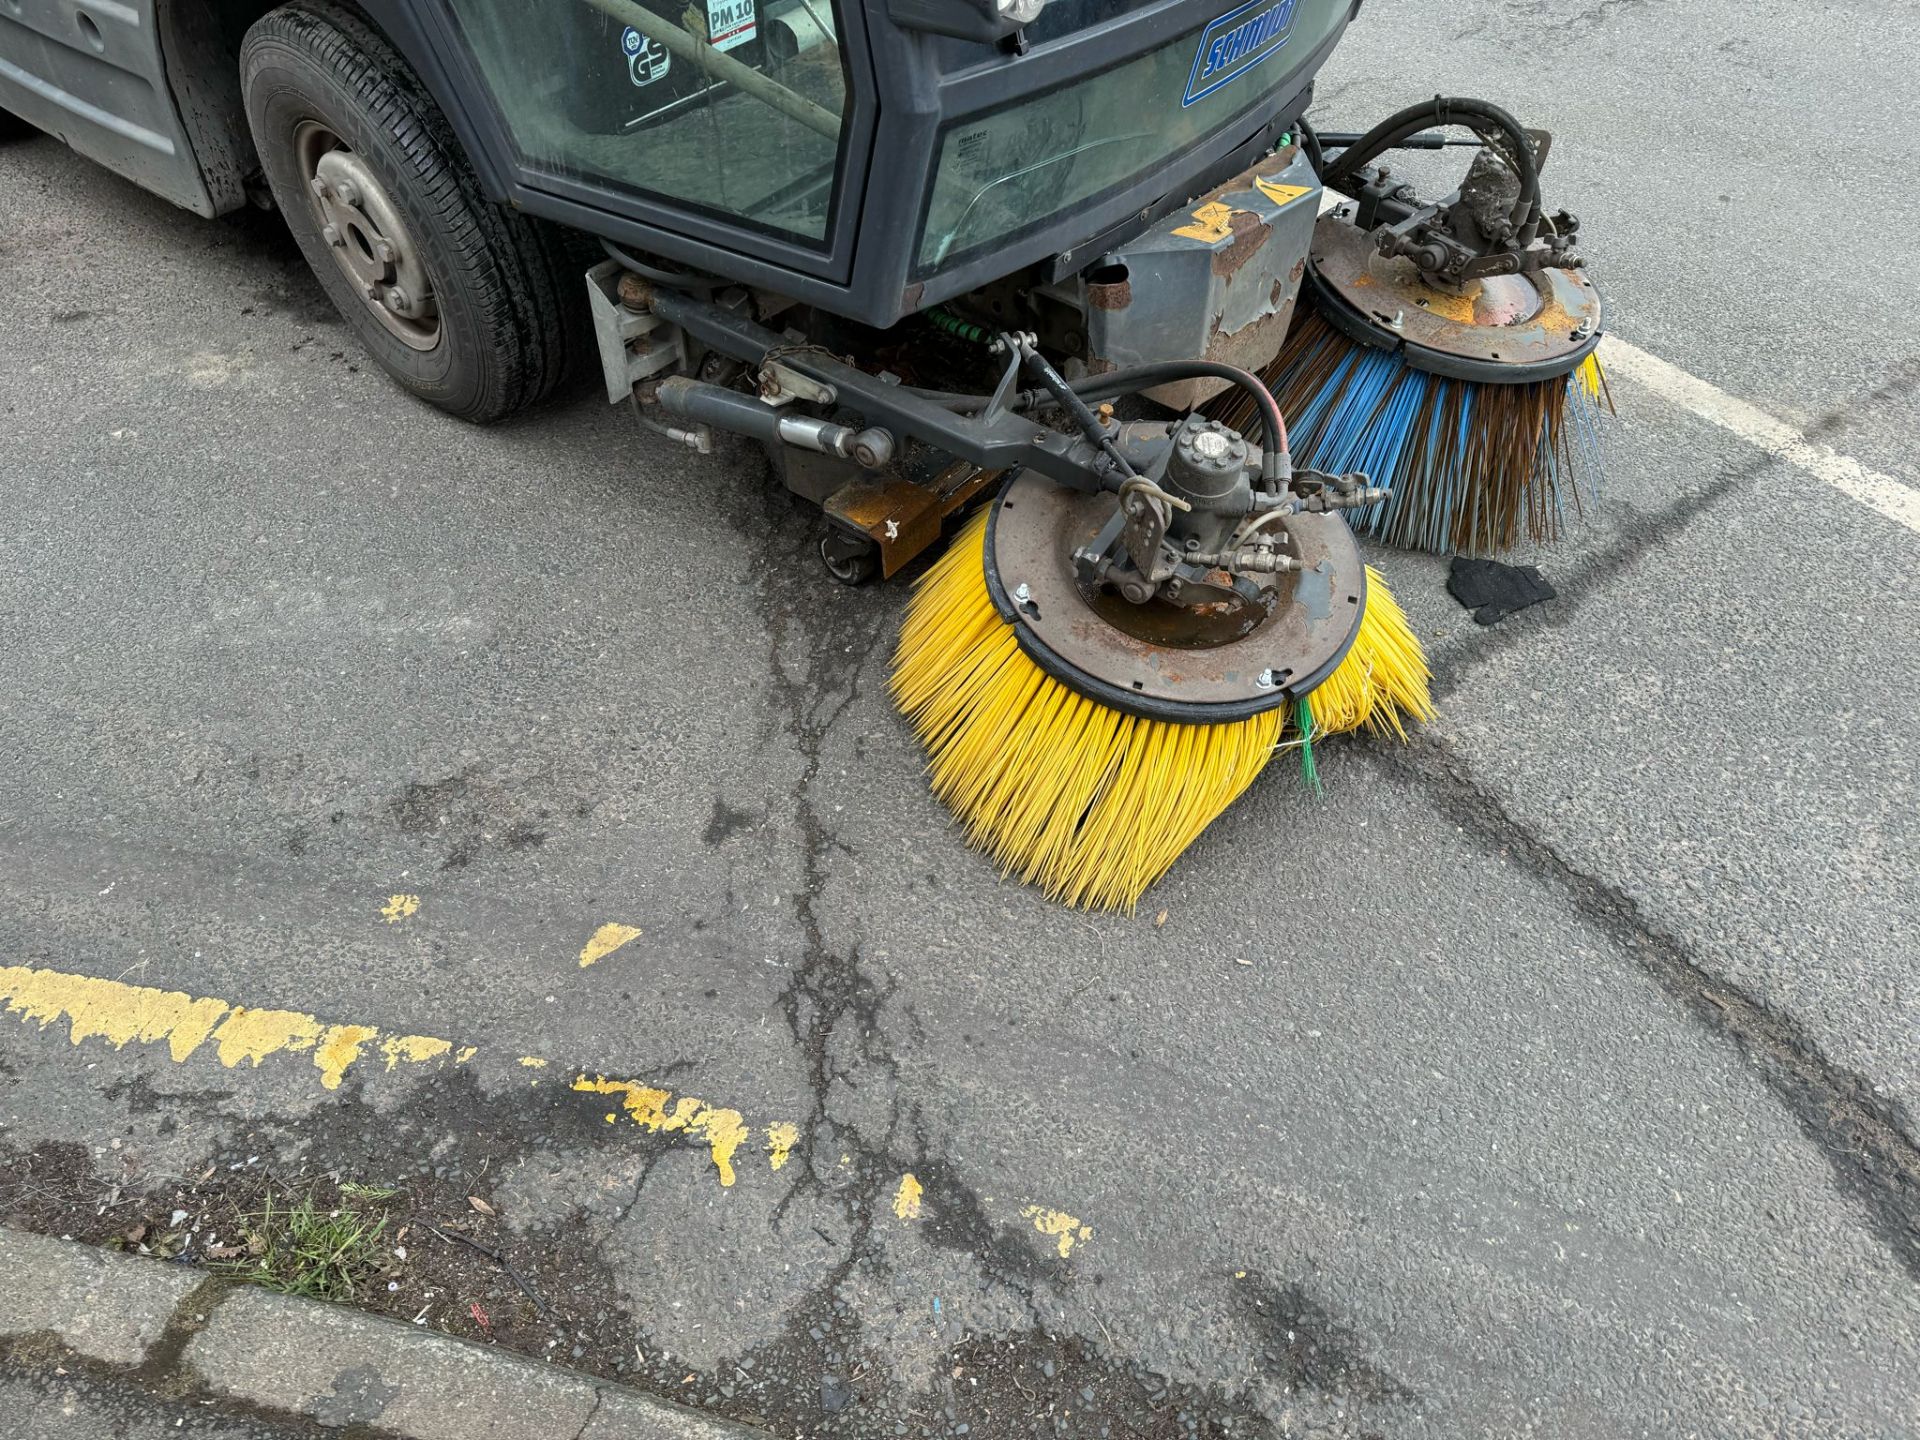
{"x": 472, "y": 307}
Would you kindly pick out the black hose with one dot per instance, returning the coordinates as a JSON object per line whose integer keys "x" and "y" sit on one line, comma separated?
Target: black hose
{"x": 678, "y": 279}
{"x": 1481, "y": 116}
{"x": 1310, "y": 141}
{"x": 1145, "y": 377}
{"x": 1425, "y": 140}
{"x": 1114, "y": 383}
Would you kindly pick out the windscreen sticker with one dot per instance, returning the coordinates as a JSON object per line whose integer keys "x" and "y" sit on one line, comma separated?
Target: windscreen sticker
{"x": 1236, "y": 42}
{"x": 647, "y": 59}
{"x": 730, "y": 23}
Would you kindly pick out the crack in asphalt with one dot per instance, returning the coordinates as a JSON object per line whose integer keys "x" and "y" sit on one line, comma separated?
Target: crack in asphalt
{"x": 1867, "y": 1139}
{"x": 1643, "y": 536}
{"x": 830, "y": 989}
{"x": 1648, "y": 533}
{"x": 599, "y": 1399}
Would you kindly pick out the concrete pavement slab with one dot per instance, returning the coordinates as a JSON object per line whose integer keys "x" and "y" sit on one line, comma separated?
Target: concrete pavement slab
{"x": 108, "y": 1307}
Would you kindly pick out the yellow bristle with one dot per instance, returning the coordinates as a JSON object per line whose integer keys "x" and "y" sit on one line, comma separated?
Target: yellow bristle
{"x": 1383, "y": 677}
{"x": 1090, "y": 804}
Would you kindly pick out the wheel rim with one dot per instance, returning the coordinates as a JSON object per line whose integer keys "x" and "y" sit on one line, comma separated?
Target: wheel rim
{"x": 368, "y": 240}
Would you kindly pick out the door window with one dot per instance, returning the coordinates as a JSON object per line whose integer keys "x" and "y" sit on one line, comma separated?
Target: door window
{"x": 731, "y": 107}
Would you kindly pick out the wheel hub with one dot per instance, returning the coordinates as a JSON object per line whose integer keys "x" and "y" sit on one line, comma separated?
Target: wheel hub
{"x": 1220, "y": 660}
{"x": 368, "y": 239}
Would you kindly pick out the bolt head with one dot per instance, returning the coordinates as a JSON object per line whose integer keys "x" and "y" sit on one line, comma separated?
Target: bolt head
{"x": 396, "y": 298}
{"x": 331, "y": 234}
{"x": 346, "y": 194}
{"x": 1021, "y": 594}
{"x": 384, "y": 252}
{"x": 318, "y": 186}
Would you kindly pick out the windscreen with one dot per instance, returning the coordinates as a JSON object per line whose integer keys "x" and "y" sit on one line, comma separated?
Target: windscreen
{"x": 735, "y": 107}
{"x": 1011, "y": 170}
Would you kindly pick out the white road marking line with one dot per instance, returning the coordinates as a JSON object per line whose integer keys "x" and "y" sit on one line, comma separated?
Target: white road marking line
{"x": 1899, "y": 503}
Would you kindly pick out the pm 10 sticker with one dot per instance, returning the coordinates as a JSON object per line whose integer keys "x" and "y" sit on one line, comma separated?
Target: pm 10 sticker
{"x": 730, "y": 23}
{"x": 1236, "y": 42}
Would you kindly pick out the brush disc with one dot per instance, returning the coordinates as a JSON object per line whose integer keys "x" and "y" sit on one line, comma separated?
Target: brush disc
{"x": 1477, "y": 410}
{"x": 1196, "y": 664}
{"x": 1090, "y": 802}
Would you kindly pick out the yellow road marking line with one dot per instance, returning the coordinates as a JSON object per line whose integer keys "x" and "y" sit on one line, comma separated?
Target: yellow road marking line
{"x": 607, "y": 939}
{"x": 906, "y": 1200}
{"x": 782, "y": 1136}
{"x": 121, "y": 1014}
{"x": 399, "y": 907}
{"x": 1060, "y": 1227}
{"x": 646, "y": 1105}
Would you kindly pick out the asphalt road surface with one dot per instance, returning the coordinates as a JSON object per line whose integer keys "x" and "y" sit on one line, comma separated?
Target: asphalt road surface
{"x": 1552, "y": 1075}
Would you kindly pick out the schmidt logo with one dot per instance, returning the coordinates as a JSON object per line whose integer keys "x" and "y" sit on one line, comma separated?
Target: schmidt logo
{"x": 1236, "y": 42}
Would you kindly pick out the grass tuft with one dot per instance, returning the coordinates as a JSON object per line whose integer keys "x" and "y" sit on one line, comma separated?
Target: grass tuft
{"x": 354, "y": 1190}
{"x": 303, "y": 1249}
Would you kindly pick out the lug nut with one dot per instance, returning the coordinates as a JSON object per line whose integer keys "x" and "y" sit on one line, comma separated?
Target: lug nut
{"x": 346, "y": 194}
{"x": 397, "y": 299}
{"x": 331, "y": 234}
{"x": 318, "y": 186}
{"x": 383, "y": 252}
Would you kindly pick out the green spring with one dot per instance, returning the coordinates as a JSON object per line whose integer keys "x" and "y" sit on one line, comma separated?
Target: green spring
{"x": 954, "y": 325}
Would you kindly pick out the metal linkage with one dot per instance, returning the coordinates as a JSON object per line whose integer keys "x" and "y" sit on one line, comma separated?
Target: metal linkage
{"x": 1492, "y": 225}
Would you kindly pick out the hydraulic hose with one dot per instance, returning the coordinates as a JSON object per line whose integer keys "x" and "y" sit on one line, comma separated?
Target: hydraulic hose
{"x": 678, "y": 279}
{"x": 1310, "y": 142}
{"x": 1479, "y": 115}
{"x": 1275, "y": 464}
{"x": 1094, "y": 388}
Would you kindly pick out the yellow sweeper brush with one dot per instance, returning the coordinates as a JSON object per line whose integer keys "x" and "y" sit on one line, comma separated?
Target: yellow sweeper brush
{"x": 1086, "y": 732}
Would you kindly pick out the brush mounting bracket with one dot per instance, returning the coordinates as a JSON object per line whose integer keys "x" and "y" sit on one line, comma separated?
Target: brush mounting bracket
{"x": 1504, "y": 329}
{"x": 1491, "y": 225}
{"x": 1245, "y": 643}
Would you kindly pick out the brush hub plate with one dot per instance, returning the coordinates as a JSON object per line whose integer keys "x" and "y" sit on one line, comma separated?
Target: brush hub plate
{"x": 1203, "y": 665}
{"x": 1505, "y": 328}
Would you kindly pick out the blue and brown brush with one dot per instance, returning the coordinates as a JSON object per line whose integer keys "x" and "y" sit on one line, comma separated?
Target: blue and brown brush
{"x": 1475, "y": 404}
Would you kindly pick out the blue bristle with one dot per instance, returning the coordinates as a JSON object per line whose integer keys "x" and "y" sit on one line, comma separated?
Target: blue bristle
{"x": 1463, "y": 464}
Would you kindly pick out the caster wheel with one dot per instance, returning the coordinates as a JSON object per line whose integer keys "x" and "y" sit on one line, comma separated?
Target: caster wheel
{"x": 850, "y": 559}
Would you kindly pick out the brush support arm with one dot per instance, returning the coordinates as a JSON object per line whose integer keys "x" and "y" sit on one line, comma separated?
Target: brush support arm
{"x": 1492, "y": 225}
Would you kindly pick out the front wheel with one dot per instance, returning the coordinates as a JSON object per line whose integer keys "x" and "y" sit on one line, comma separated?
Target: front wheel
{"x": 469, "y": 306}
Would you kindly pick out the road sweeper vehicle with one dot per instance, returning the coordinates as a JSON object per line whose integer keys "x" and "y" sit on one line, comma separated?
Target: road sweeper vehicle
{"x": 1059, "y": 264}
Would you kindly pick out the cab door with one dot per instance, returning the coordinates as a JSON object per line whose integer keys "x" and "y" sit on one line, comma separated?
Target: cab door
{"x": 90, "y": 73}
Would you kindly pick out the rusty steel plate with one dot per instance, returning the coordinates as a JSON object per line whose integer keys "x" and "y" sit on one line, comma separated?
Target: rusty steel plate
{"x": 1205, "y": 678}
{"x": 903, "y": 516}
{"x": 1504, "y": 327}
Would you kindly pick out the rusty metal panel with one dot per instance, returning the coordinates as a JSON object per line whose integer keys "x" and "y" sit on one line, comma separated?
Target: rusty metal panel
{"x": 1216, "y": 280}
{"x": 903, "y": 517}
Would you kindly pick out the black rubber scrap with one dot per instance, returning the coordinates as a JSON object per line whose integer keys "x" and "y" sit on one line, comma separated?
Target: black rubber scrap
{"x": 1493, "y": 590}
